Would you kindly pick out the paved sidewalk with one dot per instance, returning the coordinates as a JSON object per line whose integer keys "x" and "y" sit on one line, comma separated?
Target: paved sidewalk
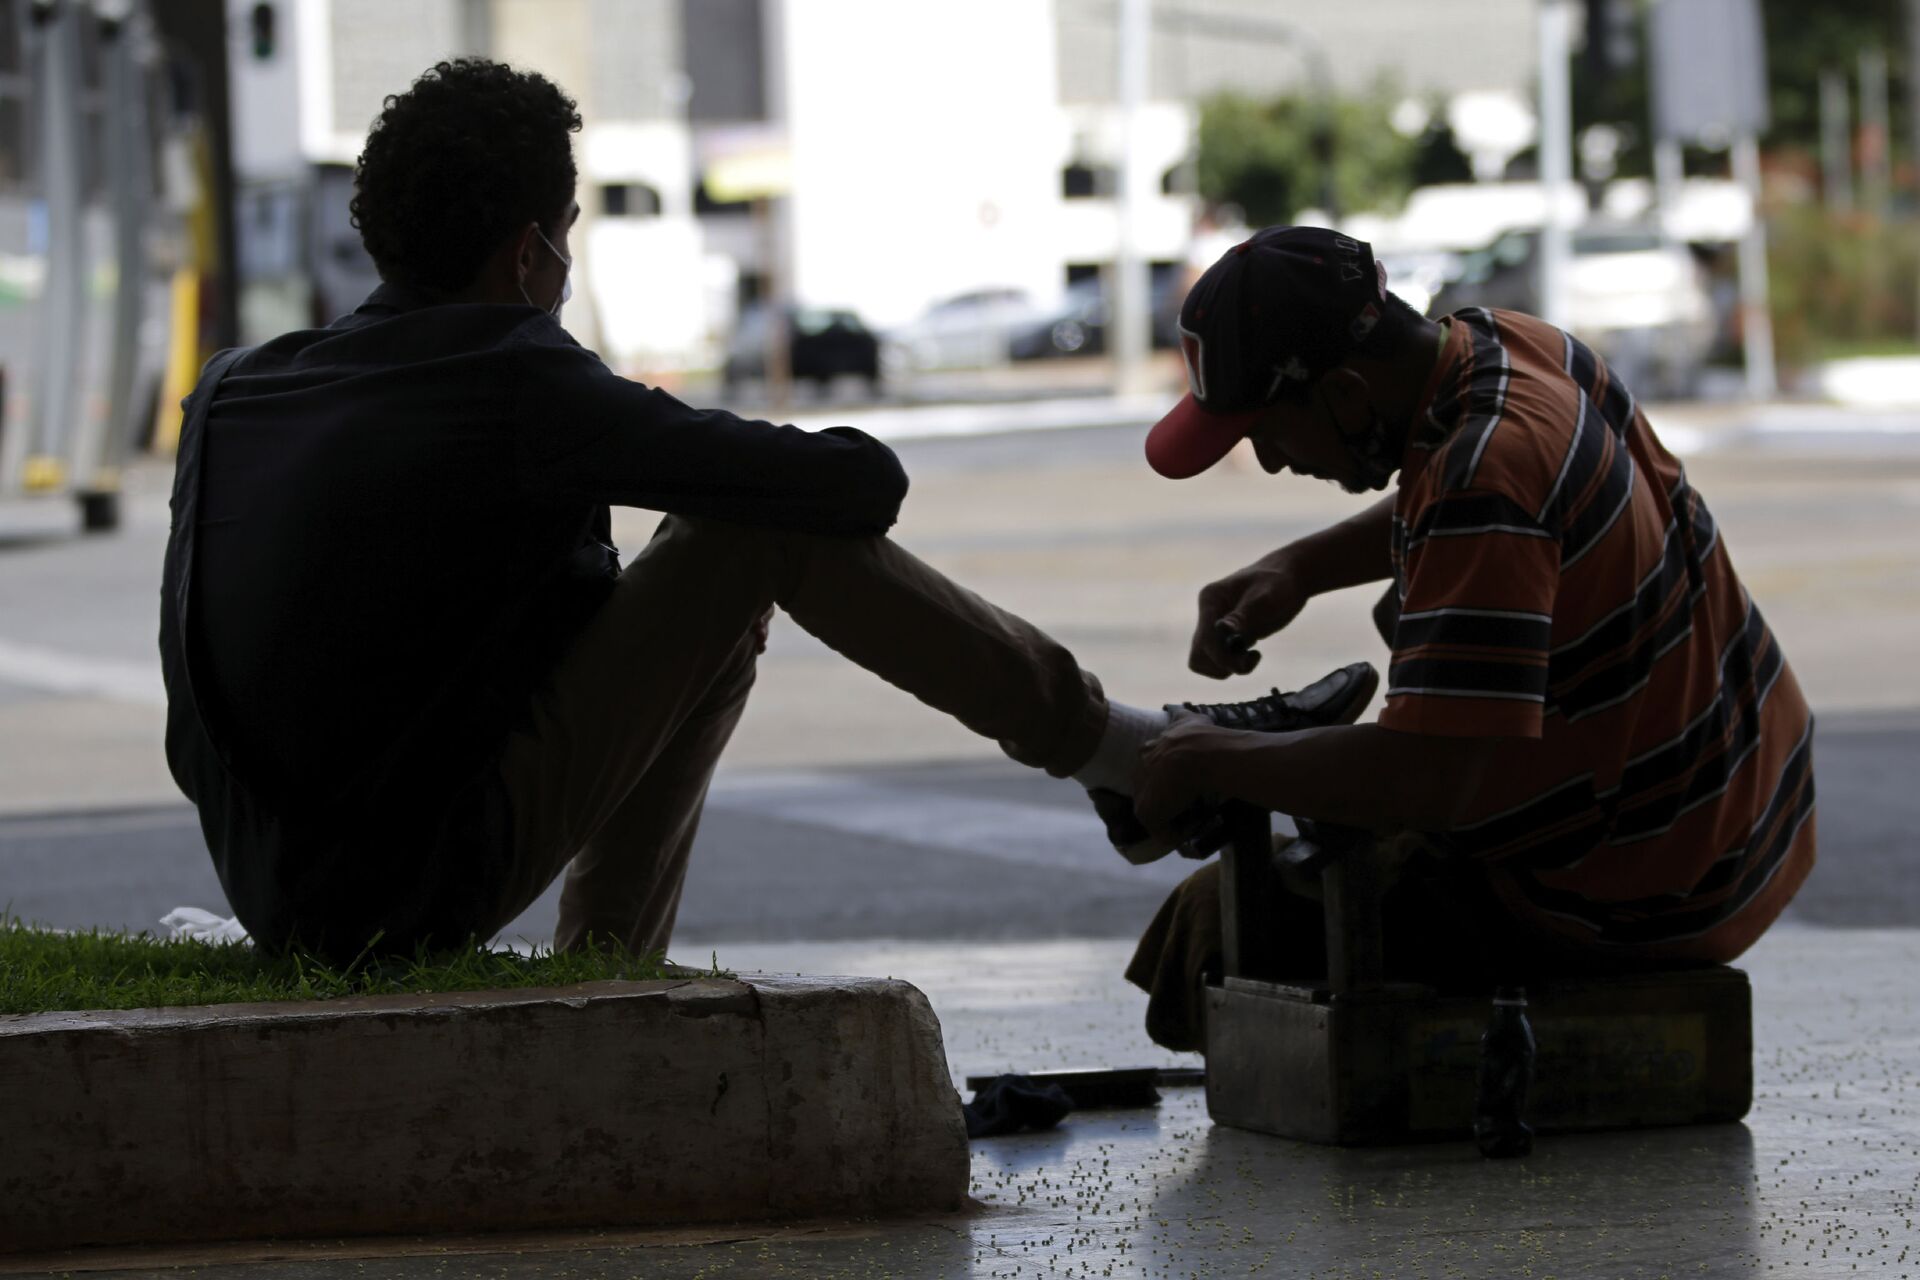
{"x": 1821, "y": 1180}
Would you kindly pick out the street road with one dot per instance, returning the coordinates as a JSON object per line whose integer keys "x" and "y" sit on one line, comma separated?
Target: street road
{"x": 846, "y": 810}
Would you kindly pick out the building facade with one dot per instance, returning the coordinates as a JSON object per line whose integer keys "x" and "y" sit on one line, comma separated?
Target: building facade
{"x": 915, "y": 150}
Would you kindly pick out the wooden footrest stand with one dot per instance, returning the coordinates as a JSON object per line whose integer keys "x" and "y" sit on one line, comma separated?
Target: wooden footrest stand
{"x": 1353, "y": 1058}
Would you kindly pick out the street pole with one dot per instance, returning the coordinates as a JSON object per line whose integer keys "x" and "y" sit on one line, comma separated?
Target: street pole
{"x": 773, "y": 217}
{"x": 1556, "y": 154}
{"x": 1876, "y": 174}
{"x": 1756, "y": 325}
{"x": 1669, "y": 179}
{"x": 1127, "y": 320}
{"x": 1836, "y": 153}
{"x": 1913, "y": 111}
{"x": 778, "y": 352}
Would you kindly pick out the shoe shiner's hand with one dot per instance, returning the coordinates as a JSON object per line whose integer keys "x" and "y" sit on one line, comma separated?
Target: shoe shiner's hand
{"x": 761, "y": 628}
{"x": 1237, "y": 611}
{"x": 1169, "y": 792}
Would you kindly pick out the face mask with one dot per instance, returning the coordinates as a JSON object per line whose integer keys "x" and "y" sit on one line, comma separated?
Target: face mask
{"x": 566, "y": 281}
{"x": 1375, "y": 453}
{"x": 1372, "y": 449}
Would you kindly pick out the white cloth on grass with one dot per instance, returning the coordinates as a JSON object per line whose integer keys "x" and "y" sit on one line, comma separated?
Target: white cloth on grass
{"x": 203, "y": 926}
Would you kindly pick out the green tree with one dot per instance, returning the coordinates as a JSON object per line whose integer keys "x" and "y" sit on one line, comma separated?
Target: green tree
{"x": 1805, "y": 39}
{"x": 1802, "y": 40}
{"x": 1274, "y": 157}
{"x": 1437, "y": 157}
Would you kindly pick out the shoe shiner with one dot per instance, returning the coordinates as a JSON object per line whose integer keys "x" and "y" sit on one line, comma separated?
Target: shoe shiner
{"x": 410, "y": 681}
{"x": 1591, "y": 753}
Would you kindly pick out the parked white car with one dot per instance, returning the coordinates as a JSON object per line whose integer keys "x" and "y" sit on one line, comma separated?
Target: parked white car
{"x": 968, "y": 331}
{"x": 1637, "y": 299}
{"x": 1629, "y": 280}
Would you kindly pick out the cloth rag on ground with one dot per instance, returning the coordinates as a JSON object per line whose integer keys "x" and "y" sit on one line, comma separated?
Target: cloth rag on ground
{"x": 1011, "y": 1103}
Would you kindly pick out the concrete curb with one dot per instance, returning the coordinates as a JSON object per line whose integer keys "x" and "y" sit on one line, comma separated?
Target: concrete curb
{"x": 603, "y": 1104}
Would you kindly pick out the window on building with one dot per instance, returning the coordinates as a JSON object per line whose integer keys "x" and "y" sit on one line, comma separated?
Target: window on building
{"x": 704, "y": 203}
{"x": 629, "y": 200}
{"x": 1080, "y": 181}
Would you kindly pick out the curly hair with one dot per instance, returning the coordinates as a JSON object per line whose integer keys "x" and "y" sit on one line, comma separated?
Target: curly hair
{"x": 473, "y": 151}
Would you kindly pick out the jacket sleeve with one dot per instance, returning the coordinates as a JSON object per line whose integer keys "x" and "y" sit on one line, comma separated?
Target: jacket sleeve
{"x": 582, "y": 432}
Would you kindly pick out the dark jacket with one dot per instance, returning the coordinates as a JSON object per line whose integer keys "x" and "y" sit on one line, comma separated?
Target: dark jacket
{"x": 384, "y": 531}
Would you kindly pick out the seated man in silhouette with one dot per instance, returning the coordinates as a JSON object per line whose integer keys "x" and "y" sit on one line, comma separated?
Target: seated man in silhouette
{"x": 1587, "y": 721}
{"x": 410, "y": 681}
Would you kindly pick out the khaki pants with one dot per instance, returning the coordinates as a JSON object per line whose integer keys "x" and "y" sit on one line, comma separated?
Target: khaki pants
{"x": 608, "y": 781}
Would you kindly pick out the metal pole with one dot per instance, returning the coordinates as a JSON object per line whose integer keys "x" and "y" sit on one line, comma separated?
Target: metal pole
{"x": 1669, "y": 178}
{"x": 1127, "y": 322}
{"x": 1836, "y": 153}
{"x": 129, "y": 59}
{"x": 1876, "y": 136}
{"x": 773, "y": 299}
{"x": 61, "y": 337}
{"x": 1556, "y": 154}
{"x": 774, "y": 216}
{"x": 1913, "y": 109}
{"x": 1756, "y": 326}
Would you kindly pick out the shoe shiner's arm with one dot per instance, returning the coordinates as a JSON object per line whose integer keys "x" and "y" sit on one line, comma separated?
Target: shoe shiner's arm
{"x": 1355, "y": 775}
{"x": 1253, "y": 603}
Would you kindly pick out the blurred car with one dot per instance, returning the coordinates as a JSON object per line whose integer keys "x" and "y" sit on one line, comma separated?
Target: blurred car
{"x": 1638, "y": 299}
{"x": 1502, "y": 274}
{"x": 1642, "y": 301}
{"x": 970, "y": 330}
{"x": 823, "y": 343}
{"x": 1418, "y": 277}
{"x": 1078, "y": 327}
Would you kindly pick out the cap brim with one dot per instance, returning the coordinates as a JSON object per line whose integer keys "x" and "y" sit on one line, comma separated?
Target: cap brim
{"x": 1189, "y": 439}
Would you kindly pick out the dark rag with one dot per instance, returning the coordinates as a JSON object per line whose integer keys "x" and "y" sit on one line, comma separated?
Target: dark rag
{"x": 1012, "y": 1103}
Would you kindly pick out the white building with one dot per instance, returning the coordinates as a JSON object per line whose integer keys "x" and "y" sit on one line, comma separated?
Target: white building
{"x": 932, "y": 146}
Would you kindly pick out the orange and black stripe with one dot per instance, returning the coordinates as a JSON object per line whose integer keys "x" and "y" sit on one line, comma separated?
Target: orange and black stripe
{"x": 1565, "y": 590}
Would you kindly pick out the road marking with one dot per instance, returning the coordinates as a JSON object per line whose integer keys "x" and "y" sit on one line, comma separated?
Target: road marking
{"x": 1039, "y": 835}
{"x": 55, "y": 671}
{"x": 57, "y": 826}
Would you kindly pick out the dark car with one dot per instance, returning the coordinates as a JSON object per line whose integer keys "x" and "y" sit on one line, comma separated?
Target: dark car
{"x": 822, "y": 344}
{"x": 1078, "y": 327}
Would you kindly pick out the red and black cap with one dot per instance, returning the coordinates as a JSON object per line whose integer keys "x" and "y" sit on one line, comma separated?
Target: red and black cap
{"x": 1262, "y": 325}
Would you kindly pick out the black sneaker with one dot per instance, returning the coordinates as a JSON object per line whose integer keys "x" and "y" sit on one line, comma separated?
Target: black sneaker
{"x": 1335, "y": 698}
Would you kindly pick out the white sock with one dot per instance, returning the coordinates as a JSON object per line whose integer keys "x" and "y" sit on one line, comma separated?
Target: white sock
{"x": 1118, "y": 755}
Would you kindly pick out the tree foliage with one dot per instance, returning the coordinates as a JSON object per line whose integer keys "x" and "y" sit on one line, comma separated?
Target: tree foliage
{"x": 1802, "y": 41}
{"x": 1805, "y": 39}
{"x": 1277, "y": 156}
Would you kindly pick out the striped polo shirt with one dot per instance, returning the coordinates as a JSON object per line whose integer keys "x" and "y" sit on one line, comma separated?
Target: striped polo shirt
{"x": 1565, "y": 590}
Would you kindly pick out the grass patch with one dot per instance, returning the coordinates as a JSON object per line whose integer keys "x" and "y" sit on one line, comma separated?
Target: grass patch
{"x": 43, "y": 971}
{"x": 1851, "y": 348}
